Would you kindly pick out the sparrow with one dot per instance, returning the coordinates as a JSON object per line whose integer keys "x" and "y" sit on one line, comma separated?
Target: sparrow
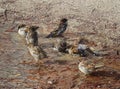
{"x": 89, "y": 66}
{"x": 37, "y": 52}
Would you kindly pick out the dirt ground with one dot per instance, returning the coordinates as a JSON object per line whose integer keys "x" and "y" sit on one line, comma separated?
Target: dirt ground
{"x": 59, "y": 71}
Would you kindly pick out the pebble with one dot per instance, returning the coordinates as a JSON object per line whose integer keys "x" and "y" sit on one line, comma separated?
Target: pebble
{"x": 50, "y": 82}
{"x": 98, "y": 86}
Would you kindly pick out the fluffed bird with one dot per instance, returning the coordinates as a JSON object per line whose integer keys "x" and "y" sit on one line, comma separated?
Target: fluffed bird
{"x": 61, "y": 45}
{"x": 37, "y": 52}
{"x": 89, "y": 66}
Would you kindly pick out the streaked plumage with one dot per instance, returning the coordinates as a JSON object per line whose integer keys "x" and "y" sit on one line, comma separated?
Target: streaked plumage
{"x": 37, "y": 52}
{"x": 32, "y": 36}
{"x": 72, "y": 50}
{"x": 87, "y": 67}
{"x": 61, "y": 45}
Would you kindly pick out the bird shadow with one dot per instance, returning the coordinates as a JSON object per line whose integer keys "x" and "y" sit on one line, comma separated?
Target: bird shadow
{"x": 112, "y": 74}
{"x": 60, "y": 62}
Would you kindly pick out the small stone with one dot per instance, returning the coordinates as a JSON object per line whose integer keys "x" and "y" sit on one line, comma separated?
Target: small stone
{"x": 109, "y": 81}
{"x": 111, "y": 73}
{"x": 17, "y": 75}
{"x": 98, "y": 86}
{"x": 50, "y": 82}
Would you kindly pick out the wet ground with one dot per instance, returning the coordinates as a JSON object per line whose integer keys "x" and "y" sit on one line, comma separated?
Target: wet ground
{"x": 59, "y": 71}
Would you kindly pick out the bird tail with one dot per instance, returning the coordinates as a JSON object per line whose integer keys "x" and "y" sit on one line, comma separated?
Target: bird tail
{"x": 99, "y": 65}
